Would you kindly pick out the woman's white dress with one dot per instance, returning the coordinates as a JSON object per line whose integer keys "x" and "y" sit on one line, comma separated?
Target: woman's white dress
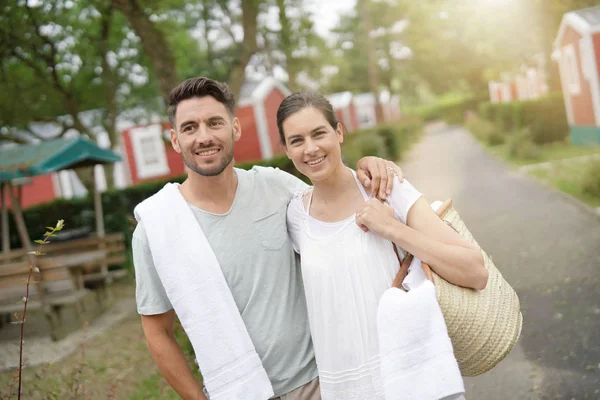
{"x": 345, "y": 272}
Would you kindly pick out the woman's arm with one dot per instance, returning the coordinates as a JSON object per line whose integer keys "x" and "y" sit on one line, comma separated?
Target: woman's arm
{"x": 428, "y": 238}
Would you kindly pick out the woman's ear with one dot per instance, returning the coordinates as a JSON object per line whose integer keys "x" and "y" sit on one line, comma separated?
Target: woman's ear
{"x": 340, "y": 132}
{"x": 286, "y": 150}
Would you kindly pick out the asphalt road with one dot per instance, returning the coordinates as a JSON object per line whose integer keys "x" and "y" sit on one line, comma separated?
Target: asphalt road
{"x": 546, "y": 246}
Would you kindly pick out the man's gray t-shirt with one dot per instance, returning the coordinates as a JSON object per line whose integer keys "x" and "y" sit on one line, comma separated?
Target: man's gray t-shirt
{"x": 255, "y": 253}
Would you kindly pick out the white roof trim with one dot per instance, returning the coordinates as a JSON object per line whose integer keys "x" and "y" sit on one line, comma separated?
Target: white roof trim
{"x": 576, "y": 22}
{"x": 260, "y": 93}
{"x": 340, "y": 99}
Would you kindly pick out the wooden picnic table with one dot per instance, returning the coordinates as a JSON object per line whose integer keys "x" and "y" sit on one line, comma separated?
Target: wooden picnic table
{"x": 59, "y": 283}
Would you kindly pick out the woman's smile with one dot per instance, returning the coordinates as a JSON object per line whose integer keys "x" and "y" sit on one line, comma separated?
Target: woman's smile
{"x": 315, "y": 161}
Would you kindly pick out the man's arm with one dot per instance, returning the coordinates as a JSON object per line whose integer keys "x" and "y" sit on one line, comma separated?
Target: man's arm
{"x": 166, "y": 353}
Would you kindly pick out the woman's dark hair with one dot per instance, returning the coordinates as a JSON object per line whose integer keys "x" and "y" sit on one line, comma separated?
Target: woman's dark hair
{"x": 299, "y": 101}
{"x": 200, "y": 87}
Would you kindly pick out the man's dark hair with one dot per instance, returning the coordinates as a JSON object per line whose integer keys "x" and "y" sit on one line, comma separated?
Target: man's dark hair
{"x": 200, "y": 87}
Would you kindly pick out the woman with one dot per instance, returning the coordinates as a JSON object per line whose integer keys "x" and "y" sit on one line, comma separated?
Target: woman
{"x": 343, "y": 237}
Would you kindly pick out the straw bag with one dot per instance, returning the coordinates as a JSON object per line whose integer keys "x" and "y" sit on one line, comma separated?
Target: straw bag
{"x": 484, "y": 325}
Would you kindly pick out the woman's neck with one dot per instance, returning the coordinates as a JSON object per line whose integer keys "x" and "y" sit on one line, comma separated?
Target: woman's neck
{"x": 335, "y": 186}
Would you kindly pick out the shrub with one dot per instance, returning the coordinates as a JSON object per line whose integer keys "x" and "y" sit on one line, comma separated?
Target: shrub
{"x": 361, "y": 144}
{"x": 590, "y": 181}
{"x": 521, "y": 146}
{"x": 485, "y": 130}
{"x": 453, "y": 112}
{"x": 546, "y": 118}
{"x": 398, "y": 137}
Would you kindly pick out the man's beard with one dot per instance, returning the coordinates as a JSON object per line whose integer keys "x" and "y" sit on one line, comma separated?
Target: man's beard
{"x": 212, "y": 170}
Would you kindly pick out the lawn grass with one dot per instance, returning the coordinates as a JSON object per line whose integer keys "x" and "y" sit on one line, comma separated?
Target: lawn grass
{"x": 115, "y": 365}
{"x": 565, "y": 172}
{"x": 153, "y": 388}
{"x": 567, "y": 178}
{"x": 548, "y": 153}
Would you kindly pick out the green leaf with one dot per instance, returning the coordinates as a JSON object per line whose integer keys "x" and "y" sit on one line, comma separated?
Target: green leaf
{"x": 39, "y": 241}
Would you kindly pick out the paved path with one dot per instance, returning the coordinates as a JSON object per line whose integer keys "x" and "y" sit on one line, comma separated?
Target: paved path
{"x": 547, "y": 247}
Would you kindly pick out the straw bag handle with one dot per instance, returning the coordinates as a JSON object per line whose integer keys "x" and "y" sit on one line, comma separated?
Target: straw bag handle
{"x": 403, "y": 272}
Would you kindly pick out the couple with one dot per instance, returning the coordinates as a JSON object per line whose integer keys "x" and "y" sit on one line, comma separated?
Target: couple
{"x": 225, "y": 239}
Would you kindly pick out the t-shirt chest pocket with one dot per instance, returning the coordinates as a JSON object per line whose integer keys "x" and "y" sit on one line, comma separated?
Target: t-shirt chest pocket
{"x": 270, "y": 229}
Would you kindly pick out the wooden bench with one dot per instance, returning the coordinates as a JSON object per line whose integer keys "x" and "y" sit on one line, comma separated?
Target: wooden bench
{"x": 58, "y": 284}
{"x": 113, "y": 244}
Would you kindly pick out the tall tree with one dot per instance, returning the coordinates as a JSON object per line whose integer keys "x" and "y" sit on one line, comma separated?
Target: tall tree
{"x": 65, "y": 85}
{"x": 248, "y": 46}
{"x": 154, "y": 43}
{"x": 372, "y": 65}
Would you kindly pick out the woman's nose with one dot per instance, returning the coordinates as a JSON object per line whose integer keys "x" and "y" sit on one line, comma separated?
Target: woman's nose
{"x": 311, "y": 146}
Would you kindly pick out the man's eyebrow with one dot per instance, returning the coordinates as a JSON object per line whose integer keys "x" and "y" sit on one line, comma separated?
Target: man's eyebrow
{"x": 185, "y": 123}
{"x": 216, "y": 118}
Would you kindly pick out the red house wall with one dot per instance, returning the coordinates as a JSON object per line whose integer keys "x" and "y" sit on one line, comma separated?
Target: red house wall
{"x": 272, "y": 102}
{"x": 353, "y": 118}
{"x": 339, "y": 114}
{"x": 248, "y": 147}
{"x": 514, "y": 93}
{"x": 583, "y": 111}
{"x": 596, "y": 46}
{"x": 40, "y": 190}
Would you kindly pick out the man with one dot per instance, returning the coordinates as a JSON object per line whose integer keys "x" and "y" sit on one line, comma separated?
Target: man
{"x": 243, "y": 217}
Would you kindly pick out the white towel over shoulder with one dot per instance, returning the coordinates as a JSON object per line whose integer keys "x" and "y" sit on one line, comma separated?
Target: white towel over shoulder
{"x": 417, "y": 359}
{"x": 196, "y": 287}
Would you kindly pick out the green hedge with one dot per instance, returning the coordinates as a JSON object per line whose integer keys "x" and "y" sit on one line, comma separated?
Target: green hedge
{"x": 452, "y": 112}
{"x": 545, "y": 118}
{"x": 387, "y": 141}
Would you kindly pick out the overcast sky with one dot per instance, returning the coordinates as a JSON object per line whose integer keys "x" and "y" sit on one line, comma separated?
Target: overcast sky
{"x": 326, "y": 13}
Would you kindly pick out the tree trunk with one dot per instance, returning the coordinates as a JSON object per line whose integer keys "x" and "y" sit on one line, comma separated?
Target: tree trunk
{"x": 248, "y": 46}
{"x": 206, "y": 4}
{"x": 154, "y": 43}
{"x": 373, "y": 68}
{"x": 110, "y": 93}
{"x": 286, "y": 44}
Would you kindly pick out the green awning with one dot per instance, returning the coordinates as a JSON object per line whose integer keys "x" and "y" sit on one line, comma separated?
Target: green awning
{"x": 49, "y": 156}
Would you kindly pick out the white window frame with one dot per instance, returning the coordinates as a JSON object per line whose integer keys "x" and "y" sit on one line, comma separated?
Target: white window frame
{"x": 153, "y": 135}
{"x": 571, "y": 69}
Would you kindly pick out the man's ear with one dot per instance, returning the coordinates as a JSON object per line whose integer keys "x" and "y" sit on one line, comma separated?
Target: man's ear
{"x": 175, "y": 141}
{"x": 237, "y": 129}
